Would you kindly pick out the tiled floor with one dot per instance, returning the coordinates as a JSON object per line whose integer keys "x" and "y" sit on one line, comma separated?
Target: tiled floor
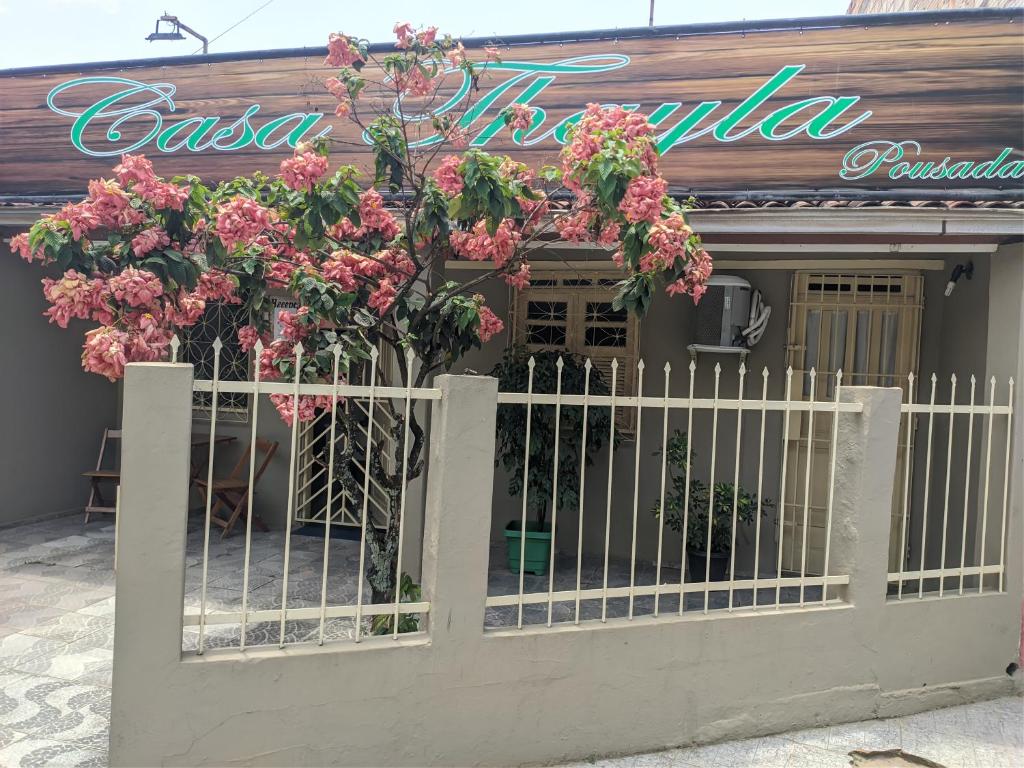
{"x": 988, "y": 734}
{"x": 56, "y": 640}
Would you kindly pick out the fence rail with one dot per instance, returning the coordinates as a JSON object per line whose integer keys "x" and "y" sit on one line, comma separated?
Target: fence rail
{"x": 756, "y": 590}
{"x": 974, "y": 476}
{"x": 332, "y": 599}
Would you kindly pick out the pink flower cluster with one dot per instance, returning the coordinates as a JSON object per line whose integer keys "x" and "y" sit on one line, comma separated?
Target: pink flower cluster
{"x": 669, "y": 238}
{"x": 575, "y": 227}
{"x": 303, "y": 170}
{"x": 338, "y": 90}
{"x": 415, "y": 82}
{"x": 341, "y": 51}
{"x": 149, "y": 240}
{"x": 407, "y": 35}
{"x": 695, "y": 276}
{"x": 479, "y": 245}
{"x": 306, "y": 408}
{"x": 241, "y": 220}
{"x": 519, "y": 117}
{"x": 248, "y": 335}
{"x": 382, "y": 297}
{"x": 76, "y": 296}
{"x": 374, "y": 217}
{"x": 592, "y": 130}
{"x": 643, "y": 199}
{"x": 448, "y": 177}
{"x": 137, "y": 288}
{"x": 137, "y": 172}
{"x": 519, "y": 276}
{"x": 490, "y": 323}
{"x": 108, "y": 349}
{"x": 295, "y": 326}
{"x": 217, "y": 285}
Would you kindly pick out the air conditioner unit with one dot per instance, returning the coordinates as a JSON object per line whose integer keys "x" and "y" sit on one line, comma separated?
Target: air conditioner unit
{"x": 723, "y": 312}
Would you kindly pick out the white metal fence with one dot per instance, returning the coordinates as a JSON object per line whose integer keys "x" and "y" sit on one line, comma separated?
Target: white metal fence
{"x": 760, "y": 582}
{"x": 293, "y": 588}
{"x": 956, "y": 484}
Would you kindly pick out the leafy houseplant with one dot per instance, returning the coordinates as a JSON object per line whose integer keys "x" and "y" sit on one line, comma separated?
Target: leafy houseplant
{"x": 696, "y": 514}
{"x": 513, "y": 374}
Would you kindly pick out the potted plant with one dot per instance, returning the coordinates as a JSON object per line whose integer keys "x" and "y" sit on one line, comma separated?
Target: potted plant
{"x": 513, "y": 374}
{"x": 698, "y": 549}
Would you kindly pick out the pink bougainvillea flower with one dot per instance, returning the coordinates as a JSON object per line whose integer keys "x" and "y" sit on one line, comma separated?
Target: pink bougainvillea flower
{"x": 148, "y": 240}
{"x": 303, "y": 170}
{"x": 240, "y": 220}
{"x": 248, "y": 335}
{"x": 491, "y": 53}
{"x": 643, "y": 199}
{"x": 519, "y": 278}
{"x": 136, "y": 287}
{"x": 344, "y": 108}
{"x": 448, "y": 177}
{"x": 383, "y": 297}
{"x": 519, "y": 116}
{"x": 457, "y": 55}
{"x": 217, "y": 285}
{"x": 404, "y": 33}
{"x": 478, "y": 245}
{"x": 375, "y": 217}
{"x": 341, "y": 51}
{"x": 104, "y": 352}
{"x": 490, "y": 323}
{"x": 134, "y": 169}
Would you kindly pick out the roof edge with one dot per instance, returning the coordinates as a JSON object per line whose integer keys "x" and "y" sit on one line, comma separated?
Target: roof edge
{"x": 725, "y": 27}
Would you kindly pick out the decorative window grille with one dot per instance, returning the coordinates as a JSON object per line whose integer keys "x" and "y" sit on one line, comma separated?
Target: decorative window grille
{"x": 574, "y": 314}
{"x": 221, "y": 320}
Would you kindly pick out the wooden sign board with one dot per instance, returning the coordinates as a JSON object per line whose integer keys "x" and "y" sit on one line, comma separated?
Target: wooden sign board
{"x": 900, "y": 107}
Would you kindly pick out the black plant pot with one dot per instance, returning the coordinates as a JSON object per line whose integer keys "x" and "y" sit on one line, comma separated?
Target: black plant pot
{"x": 696, "y": 563}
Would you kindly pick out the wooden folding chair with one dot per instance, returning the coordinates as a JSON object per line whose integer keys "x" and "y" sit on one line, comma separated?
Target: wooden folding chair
{"x": 98, "y": 476}
{"x": 231, "y": 493}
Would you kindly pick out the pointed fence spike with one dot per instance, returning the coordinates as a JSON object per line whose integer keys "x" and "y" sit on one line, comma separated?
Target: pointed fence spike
{"x": 718, "y": 368}
{"x": 258, "y": 348}
{"x": 337, "y": 352}
{"x": 559, "y": 363}
{"x": 217, "y": 344}
{"x": 789, "y": 370}
{"x": 911, "y": 377}
{"x": 587, "y": 365}
{"x": 764, "y": 372}
{"x": 374, "y": 353}
{"x": 952, "y": 378}
{"x": 839, "y": 377}
{"x": 668, "y": 367}
{"x": 813, "y": 372}
{"x": 531, "y": 363}
{"x": 615, "y": 363}
{"x": 935, "y": 379}
{"x": 1011, "y": 381}
{"x": 973, "y": 380}
{"x": 743, "y": 369}
{"x": 175, "y": 344}
{"x": 693, "y": 366}
{"x": 640, "y": 365}
{"x": 297, "y": 349}
{"x": 409, "y": 355}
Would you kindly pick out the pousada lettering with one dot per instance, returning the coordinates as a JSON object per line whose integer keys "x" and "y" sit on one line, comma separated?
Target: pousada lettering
{"x": 890, "y": 157}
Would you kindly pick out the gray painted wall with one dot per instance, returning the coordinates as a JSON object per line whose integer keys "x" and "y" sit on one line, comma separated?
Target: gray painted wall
{"x": 54, "y": 412}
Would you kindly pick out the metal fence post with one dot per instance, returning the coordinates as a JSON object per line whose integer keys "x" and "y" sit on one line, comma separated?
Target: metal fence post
{"x": 457, "y": 520}
{"x": 157, "y": 425}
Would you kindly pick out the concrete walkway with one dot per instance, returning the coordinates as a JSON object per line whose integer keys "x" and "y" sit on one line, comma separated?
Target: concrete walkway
{"x": 989, "y": 734}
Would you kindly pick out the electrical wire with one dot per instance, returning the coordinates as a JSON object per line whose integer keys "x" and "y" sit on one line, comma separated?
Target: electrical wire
{"x": 237, "y": 23}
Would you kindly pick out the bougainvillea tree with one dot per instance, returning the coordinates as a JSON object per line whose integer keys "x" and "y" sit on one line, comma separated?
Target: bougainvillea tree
{"x": 363, "y": 254}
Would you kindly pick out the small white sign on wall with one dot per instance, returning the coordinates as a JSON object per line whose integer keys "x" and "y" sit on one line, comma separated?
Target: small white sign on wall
{"x": 281, "y": 304}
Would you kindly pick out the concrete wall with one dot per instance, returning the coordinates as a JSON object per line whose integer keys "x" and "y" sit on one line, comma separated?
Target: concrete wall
{"x": 953, "y": 340}
{"x": 457, "y": 695}
{"x": 54, "y": 413}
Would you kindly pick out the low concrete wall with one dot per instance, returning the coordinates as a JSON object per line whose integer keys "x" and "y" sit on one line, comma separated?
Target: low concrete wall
{"x": 457, "y": 695}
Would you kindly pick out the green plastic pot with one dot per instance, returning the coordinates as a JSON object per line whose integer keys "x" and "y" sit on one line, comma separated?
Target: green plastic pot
{"x": 538, "y": 547}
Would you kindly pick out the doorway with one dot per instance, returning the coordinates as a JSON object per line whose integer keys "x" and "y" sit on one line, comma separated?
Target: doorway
{"x": 868, "y": 326}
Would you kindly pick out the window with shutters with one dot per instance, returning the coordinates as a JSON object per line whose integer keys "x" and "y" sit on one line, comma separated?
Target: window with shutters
{"x": 575, "y": 314}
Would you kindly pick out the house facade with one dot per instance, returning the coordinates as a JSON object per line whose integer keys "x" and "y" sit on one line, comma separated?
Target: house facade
{"x": 845, "y": 169}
